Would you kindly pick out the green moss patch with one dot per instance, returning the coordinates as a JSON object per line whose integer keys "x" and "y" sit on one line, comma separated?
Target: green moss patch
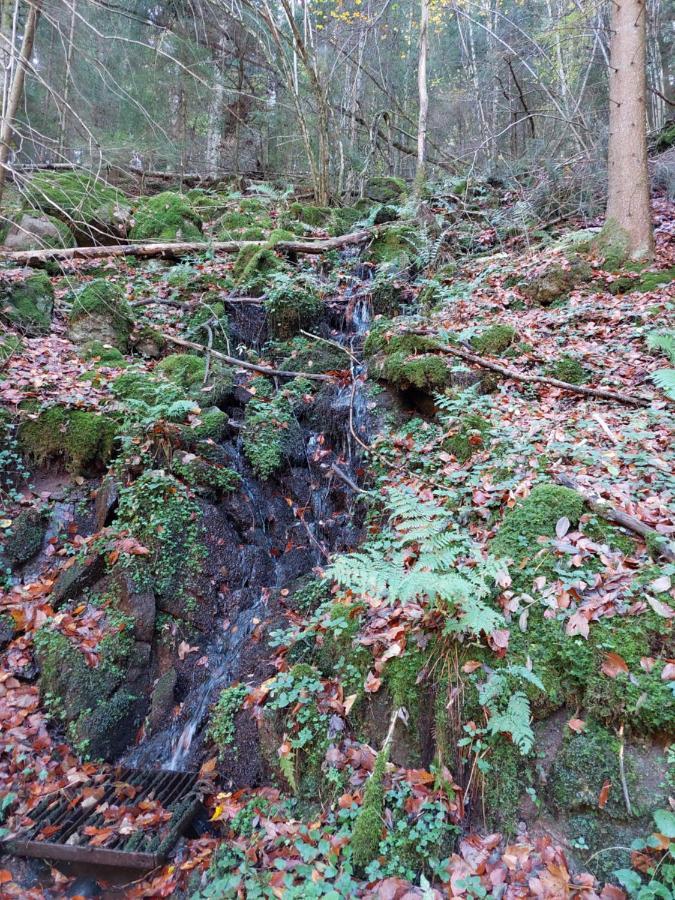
{"x": 28, "y": 304}
{"x": 369, "y": 823}
{"x": 316, "y": 216}
{"x": 385, "y": 189}
{"x": 397, "y": 244}
{"x": 302, "y": 354}
{"x": 100, "y": 313}
{"x": 569, "y": 369}
{"x": 166, "y": 217}
{"x": 82, "y": 440}
{"x": 470, "y": 436}
{"x": 270, "y": 429}
{"x": 495, "y": 340}
{"x": 188, "y": 372}
{"x": 10, "y": 345}
{"x": 292, "y": 304}
{"x": 404, "y": 360}
{"x": 70, "y": 196}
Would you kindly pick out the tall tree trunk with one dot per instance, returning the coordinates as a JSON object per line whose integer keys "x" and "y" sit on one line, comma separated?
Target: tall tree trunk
{"x": 63, "y": 119}
{"x": 423, "y": 95}
{"x": 16, "y": 89}
{"x": 628, "y": 209}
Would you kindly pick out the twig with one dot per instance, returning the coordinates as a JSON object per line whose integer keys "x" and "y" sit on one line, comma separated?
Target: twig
{"x": 606, "y": 511}
{"x": 209, "y": 350}
{"x": 622, "y": 773}
{"x": 240, "y": 363}
{"x": 315, "y": 337}
{"x": 602, "y": 393}
{"x": 347, "y": 480}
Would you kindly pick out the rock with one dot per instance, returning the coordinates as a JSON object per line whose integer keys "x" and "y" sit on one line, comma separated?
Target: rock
{"x": 385, "y": 189}
{"x": 7, "y": 630}
{"x": 149, "y": 343}
{"x": 168, "y": 216}
{"x": 80, "y": 440}
{"x": 161, "y": 702}
{"x": 28, "y": 303}
{"x": 107, "y": 499}
{"x": 557, "y": 282}
{"x": 139, "y": 605}
{"x": 72, "y": 581}
{"x": 112, "y": 219}
{"x": 100, "y": 313}
{"x": 84, "y": 887}
{"x": 24, "y": 539}
{"x": 32, "y": 232}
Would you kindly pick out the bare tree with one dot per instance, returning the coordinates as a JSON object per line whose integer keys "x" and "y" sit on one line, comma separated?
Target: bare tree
{"x": 628, "y": 210}
{"x": 423, "y": 93}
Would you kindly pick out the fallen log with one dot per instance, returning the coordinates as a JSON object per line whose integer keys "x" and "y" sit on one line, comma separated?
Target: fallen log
{"x": 242, "y": 364}
{"x": 175, "y": 250}
{"x": 602, "y": 393}
{"x": 607, "y": 511}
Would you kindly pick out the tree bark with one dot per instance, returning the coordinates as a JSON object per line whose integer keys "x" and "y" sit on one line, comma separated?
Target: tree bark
{"x": 628, "y": 208}
{"x": 16, "y": 89}
{"x": 423, "y": 94}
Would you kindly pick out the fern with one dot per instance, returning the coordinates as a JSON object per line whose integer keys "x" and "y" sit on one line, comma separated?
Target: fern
{"x": 515, "y": 720}
{"x": 424, "y": 557}
{"x": 664, "y": 378}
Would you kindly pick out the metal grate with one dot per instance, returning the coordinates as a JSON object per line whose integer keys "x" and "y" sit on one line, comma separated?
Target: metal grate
{"x": 65, "y": 820}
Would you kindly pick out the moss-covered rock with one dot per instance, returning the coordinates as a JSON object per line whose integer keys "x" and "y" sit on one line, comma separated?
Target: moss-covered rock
{"x": 316, "y": 216}
{"x": 387, "y": 295}
{"x": 148, "y": 342}
{"x": 205, "y": 476}
{"x": 344, "y": 219}
{"x": 213, "y": 422}
{"x": 642, "y": 283}
{"x": 568, "y": 368}
{"x": 83, "y": 441}
{"x": 470, "y": 436}
{"x": 100, "y": 312}
{"x": 10, "y": 345}
{"x": 271, "y": 433}
{"x": 166, "y": 217}
{"x": 23, "y": 540}
{"x": 556, "y": 282}
{"x": 369, "y": 823}
{"x": 535, "y": 517}
{"x": 306, "y": 355}
{"x": 103, "y": 354}
{"x": 292, "y": 304}
{"x": 31, "y": 232}
{"x": 495, "y": 340}
{"x": 396, "y": 244}
{"x": 405, "y": 360}
{"x": 28, "y": 303}
{"x": 188, "y": 372}
{"x": 253, "y": 267}
{"x": 77, "y": 199}
{"x": 385, "y": 189}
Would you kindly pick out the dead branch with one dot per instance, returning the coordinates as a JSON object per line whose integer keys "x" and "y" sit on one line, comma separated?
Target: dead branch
{"x": 602, "y": 393}
{"x": 607, "y": 511}
{"x": 241, "y": 364}
{"x": 37, "y": 258}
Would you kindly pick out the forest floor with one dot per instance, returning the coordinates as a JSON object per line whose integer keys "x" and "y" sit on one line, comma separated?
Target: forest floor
{"x": 476, "y": 697}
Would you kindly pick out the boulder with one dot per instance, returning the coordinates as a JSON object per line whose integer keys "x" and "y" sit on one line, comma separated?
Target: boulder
{"x": 161, "y": 701}
{"x": 100, "y": 313}
{"x": 166, "y": 217}
{"x": 28, "y": 303}
{"x": 385, "y": 189}
{"x": 24, "y": 539}
{"x": 33, "y": 232}
{"x": 139, "y": 605}
{"x": 82, "y": 574}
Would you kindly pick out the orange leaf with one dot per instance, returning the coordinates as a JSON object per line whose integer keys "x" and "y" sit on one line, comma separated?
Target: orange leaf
{"x": 5, "y": 876}
{"x": 471, "y": 666}
{"x": 603, "y": 797}
{"x": 576, "y": 725}
{"x": 614, "y": 665}
{"x": 373, "y": 683}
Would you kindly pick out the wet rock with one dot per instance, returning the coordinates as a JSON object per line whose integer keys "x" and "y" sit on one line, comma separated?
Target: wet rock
{"x": 139, "y": 605}
{"x": 107, "y": 498}
{"x": 162, "y": 699}
{"x": 84, "y": 887}
{"x": 82, "y": 574}
{"x": 24, "y": 539}
{"x": 7, "y": 630}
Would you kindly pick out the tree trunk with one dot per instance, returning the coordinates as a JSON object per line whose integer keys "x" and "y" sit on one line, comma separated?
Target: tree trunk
{"x": 16, "y": 89}
{"x": 423, "y": 95}
{"x": 628, "y": 222}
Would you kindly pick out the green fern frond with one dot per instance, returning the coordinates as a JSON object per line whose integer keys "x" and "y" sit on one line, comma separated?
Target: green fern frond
{"x": 664, "y": 341}
{"x": 665, "y": 379}
{"x": 515, "y": 721}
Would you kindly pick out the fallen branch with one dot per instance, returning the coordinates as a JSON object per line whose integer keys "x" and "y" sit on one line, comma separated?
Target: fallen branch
{"x": 347, "y": 480}
{"x": 175, "y": 250}
{"x": 607, "y": 511}
{"x": 241, "y": 364}
{"x": 602, "y": 393}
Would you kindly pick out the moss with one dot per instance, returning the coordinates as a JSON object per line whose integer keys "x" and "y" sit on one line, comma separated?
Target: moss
{"x": 10, "y": 345}
{"x": 188, "y": 372}
{"x": 292, "y": 305}
{"x": 401, "y": 677}
{"x": 383, "y": 338}
{"x": 469, "y": 437}
{"x": 316, "y": 216}
{"x": 104, "y": 354}
{"x": 556, "y": 282}
{"x": 135, "y": 385}
{"x": 24, "y": 539}
{"x": 584, "y": 763}
{"x": 495, "y": 340}
{"x": 534, "y": 517}
{"x": 212, "y": 424}
{"x": 643, "y": 284}
{"x": 367, "y": 832}
{"x": 71, "y": 196}
{"x": 270, "y": 430}
{"x": 253, "y": 234}
{"x": 100, "y": 307}
{"x": 198, "y": 473}
{"x": 503, "y": 786}
{"x": 343, "y": 220}
{"x": 397, "y": 244}
{"x": 385, "y": 189}
{"x": 569, "y": 369}
{"x": 253, "y": 267}
{"x": 82, "y": 440}
{"x": 214, "y": 314}
{"x": 666, "y": 138}
{"x": 37, "y": 233}
{"x": 28, "y": 303}
{"x": 302, "y": 354}
{"x": 166, "y": 217}
{"x": 148, "y": 341}
{"x": 387, "y": 296}
{"x": 613, "y": 245}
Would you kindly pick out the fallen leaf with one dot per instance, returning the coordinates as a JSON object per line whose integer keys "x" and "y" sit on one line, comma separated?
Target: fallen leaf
{"x": 471, "y": 666}
{"x": 603, "y": 796}
{"x": 613, "y": 665}
{"x": 661, "y": 585}
{"x": 372, "y": 683}
{"x": 576, "y": 725}
{"x": 562, "y": 526}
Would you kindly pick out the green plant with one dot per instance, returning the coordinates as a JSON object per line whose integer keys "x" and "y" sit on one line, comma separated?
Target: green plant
{"x": 221, "y": 723}
{"x": 424, "y": 556}
{"x": 508, "y": 709}
{"x": 664, "y": 378}
{"x": 369, "y": 822}
{"x": 659, "y": 879}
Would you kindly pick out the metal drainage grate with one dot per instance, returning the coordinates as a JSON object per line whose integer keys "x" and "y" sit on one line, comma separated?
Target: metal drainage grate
{"x": 59, "y": 825}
